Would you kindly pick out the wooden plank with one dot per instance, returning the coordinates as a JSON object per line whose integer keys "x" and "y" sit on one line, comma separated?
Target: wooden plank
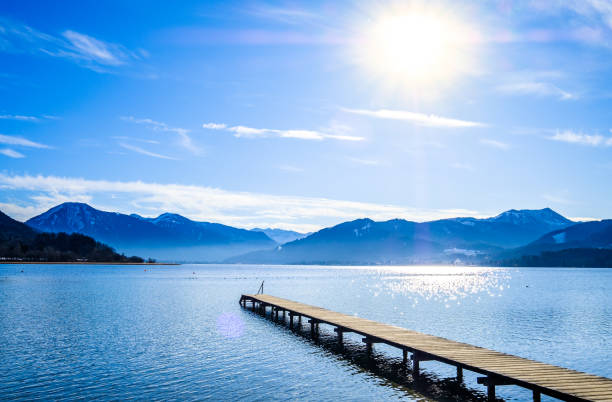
{"x": 544, "y": 378}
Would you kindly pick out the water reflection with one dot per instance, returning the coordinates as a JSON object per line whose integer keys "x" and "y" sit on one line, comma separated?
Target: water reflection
{"x": 442, "y": 284}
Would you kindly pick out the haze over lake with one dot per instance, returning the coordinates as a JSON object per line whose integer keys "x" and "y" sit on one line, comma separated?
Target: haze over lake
{"x": 178, "y": 332}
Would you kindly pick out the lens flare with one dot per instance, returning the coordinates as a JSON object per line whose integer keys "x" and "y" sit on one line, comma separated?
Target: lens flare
{"x": 230, "y": 325}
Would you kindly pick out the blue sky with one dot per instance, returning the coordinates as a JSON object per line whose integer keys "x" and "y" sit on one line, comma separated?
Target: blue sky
{"x": 305, "y": 114}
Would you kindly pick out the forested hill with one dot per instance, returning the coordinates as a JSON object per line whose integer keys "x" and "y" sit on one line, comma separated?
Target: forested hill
{"x": 19, "y": 242}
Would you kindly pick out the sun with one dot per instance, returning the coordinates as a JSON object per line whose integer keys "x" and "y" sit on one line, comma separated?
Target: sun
{"x": 415, "y": 46}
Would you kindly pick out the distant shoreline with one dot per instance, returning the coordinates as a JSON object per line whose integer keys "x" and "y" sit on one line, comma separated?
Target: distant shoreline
{"x": 85, "y": 263}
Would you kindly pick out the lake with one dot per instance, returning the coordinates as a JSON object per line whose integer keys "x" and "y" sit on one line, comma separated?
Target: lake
{"x": 178, "y": 332}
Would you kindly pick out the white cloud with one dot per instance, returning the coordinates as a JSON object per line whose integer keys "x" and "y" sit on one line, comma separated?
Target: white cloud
{"x": 11, "y": 153}
{"x": 11, "y": 140}
{"x": 184, "y": 139}
{"x": 214, "y": 126}
{"x": 420, "y": 119}
{"x": 83, "y": 49}
{"x": 236, "y": 208}
{"x": 494, "y": 143}
{"x": 536, "y": 88}
{"x": 582, "y": 139}
{"x": 144, "y": 151}
{"x": 18, "y": 117}
{"x": 251, "y": 132}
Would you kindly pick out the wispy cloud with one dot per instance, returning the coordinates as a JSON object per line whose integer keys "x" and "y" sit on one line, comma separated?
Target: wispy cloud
{"x": 83, "y": 49}
{"x": 145, "y": 140}
{"x": 593, "y": 10}
{"x": 211, "y": 204}
{"x": 287, "y": 15}
{"x": 90, "y": 48}
{"x": 536, "y": 88}
{"x": 581, "y": 139}
{"x": 251, "y": 132}
{"x": 495, "y": 143}
{"x": 18, "y": 117}
{"x": 184, "y": 140}
{"x": 11, "y": 153}
{"x": 20, "y": 141}
{"x": 420, "y": 119}
{"x": 144, "y": 151}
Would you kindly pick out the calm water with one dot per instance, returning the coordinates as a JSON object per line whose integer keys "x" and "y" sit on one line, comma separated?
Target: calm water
{"x": 178, "y": 332}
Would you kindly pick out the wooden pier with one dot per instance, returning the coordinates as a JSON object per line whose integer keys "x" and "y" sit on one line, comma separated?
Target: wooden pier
{"x": 497, "y": 368}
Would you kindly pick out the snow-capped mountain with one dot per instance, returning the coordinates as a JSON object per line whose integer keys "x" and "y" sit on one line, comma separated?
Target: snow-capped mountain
{"x": 401, "y": 241}
{"x": 545, "y": 217}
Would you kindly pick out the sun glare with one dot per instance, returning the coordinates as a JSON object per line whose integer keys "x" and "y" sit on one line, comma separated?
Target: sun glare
{"x": 414, "y": 46}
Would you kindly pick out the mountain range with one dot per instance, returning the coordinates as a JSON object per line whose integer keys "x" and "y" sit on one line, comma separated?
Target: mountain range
{"x": 282, "y": 236}
{"x": 398, "y": 241}
{"x": 171, "y": 237}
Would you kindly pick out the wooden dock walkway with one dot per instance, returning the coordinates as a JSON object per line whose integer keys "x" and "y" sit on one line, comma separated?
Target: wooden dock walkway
{"x": 498, "y": 368}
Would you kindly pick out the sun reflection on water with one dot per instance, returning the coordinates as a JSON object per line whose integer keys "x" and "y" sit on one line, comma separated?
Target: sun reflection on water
{"x": 441, "y": 284}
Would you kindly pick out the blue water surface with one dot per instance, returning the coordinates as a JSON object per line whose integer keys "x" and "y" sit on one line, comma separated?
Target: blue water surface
{"x": 178, "y": 332}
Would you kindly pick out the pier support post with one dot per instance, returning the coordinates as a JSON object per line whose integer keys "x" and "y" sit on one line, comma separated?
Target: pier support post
{"x": 405, "y": 356}
{"x": 491, "y": 382}
{"x": 340, "y": 333}
{"x": 300, "y": 320}
{"x": 491, "y": 392}
{"x": 536, "y": 396}
{"x": 252, "y": 305}
{"x": 459, "y": 374}
{"x": 314, "y": 328}
{"x": 368, "y": 341}
{"x": 418, "y": 357}
{"x": 290, "y": 320}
